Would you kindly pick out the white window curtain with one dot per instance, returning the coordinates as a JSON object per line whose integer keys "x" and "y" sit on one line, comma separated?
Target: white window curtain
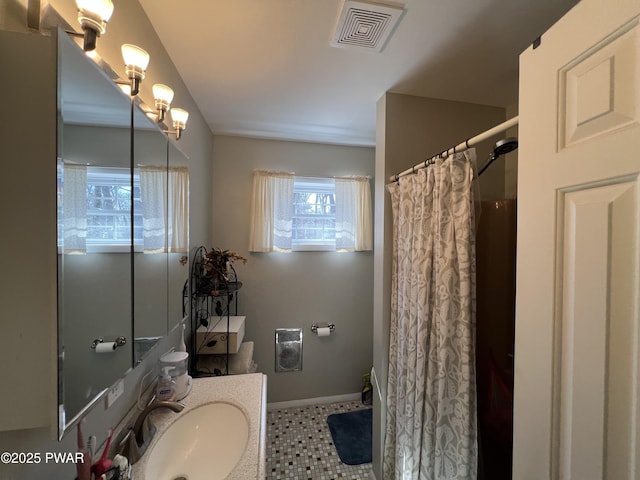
{"x": 271, "y": 211}
{"x": 178, "y": 215}
{"x": 164, "y": 196}
{"x": 74, "y": 209}
{"x": 153, "y": 194}
{"x": 354, "y": 229}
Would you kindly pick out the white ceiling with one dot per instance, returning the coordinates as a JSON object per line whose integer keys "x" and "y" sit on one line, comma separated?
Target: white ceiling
{"x": 265, "y": 68}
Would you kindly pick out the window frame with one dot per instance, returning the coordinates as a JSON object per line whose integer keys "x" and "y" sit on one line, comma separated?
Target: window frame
{"x": 120, "y": 176}
{"x": 312, "y": 185}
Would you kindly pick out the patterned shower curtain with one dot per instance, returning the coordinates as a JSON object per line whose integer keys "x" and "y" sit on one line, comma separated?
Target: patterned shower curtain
{"x": 431, "y": 398}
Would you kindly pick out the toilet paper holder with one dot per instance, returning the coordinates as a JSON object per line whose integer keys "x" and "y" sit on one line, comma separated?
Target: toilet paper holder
{"x": 119, "y": 342}
{"x": 314, "y": 328}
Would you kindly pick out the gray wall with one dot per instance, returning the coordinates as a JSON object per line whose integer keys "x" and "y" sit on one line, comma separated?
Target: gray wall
{"x": 409, "y": 130}
{"x": 129, "y": 24}
{"x": 300, "y": 288}
{"x": 28, "y": 247}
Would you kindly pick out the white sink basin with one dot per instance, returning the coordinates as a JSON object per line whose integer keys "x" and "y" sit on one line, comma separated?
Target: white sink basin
{"x": 205, "y": 442}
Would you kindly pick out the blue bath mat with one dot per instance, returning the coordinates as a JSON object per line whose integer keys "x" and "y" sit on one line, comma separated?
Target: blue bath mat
{"x": 352, "y": 433}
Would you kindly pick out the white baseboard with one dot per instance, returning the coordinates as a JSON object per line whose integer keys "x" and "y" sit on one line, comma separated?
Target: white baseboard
{"x": 304, "y": 402}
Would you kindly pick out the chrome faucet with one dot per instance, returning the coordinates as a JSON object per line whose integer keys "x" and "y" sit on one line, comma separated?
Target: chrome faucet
{"x": 139, "y": 437}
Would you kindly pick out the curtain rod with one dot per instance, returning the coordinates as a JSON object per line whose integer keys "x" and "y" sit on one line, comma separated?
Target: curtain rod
{"x": 470, "y": 142}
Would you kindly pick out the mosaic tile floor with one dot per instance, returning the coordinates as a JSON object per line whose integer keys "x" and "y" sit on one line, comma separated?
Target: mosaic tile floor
{"x": 300, "y": 447}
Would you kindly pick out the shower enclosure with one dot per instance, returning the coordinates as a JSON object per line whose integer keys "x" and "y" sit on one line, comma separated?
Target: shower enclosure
{"x": 495, "y": 315}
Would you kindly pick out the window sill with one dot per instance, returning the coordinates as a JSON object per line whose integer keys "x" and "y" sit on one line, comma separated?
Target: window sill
{"x": 314, "y": 247}
{"x": 108, "y": 249}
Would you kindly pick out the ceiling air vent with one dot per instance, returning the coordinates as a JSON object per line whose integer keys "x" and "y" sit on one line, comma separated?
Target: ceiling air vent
{"x": 366, "y": 25}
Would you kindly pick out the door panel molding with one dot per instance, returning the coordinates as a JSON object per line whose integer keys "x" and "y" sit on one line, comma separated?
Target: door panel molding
{"x": 595, "y": 365}
{"x": 596, "y": 90}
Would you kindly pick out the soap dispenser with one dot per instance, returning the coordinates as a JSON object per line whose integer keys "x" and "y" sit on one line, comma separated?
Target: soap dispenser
{"x": 166, "y": 389}
{"x": 178, "y": 362}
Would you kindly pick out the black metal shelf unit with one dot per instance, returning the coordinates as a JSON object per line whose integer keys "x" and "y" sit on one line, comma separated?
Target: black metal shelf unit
{"x": 213, "y": 294}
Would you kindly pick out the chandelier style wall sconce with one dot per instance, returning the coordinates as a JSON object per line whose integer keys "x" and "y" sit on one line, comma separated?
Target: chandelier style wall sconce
{"x": 136, "y": 61}
{"x": 162, "y": 96}
{"x": 93, "y": 16}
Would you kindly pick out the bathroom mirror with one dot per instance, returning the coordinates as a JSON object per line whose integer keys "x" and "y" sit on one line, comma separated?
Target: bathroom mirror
{"x": 94, "y": 232}
{"x": 162, "y": 243}
{"x": 150, "y": 268}
{"x": 122, "y": 220}
{"x": 178, "y": 264}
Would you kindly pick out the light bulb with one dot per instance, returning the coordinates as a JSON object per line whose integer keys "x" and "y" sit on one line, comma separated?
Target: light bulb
{"x": 135, "y": 56}
{"x": 102, "y": 9}
{"x": 162, "y": 93}
{"x": 136, "y": 61}
{"x": 93, "y": 16}
{"x": 179, "y": 117}
{"x": 162, "y": 96}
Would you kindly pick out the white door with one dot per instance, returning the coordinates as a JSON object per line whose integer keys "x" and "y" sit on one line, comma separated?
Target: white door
{"x": 577, "y": 402}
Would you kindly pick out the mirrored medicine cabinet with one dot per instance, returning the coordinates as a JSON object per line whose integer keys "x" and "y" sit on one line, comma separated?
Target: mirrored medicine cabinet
{"x": 122, "y": 221}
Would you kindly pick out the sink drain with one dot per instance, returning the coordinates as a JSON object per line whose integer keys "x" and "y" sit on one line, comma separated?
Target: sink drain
{"x": 180, "y": 478}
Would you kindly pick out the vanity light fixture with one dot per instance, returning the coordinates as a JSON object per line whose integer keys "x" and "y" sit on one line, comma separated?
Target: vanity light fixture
{"x": 93, "y": 16}
{"x": 162, "y": 96}
{"x": 179, "y": 118}
{"x": 136, "y": 61}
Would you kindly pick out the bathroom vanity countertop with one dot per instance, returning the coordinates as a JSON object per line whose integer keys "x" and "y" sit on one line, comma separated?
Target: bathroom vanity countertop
{"x": 249, "y": 393}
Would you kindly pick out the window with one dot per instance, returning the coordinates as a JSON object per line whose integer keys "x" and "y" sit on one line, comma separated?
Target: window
{"x": 109, "y": 202}
{"x": 97, "y": 208}
{"x": 314, "y": 214}
{"x": 97, "y": 205}
{"x": 289, "y": 212}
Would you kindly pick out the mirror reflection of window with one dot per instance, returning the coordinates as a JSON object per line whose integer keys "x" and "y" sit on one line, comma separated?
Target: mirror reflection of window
{"x": 109, "y": 200}
{"x": 164, "y": 196}
{"x": 94, "y": 205}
